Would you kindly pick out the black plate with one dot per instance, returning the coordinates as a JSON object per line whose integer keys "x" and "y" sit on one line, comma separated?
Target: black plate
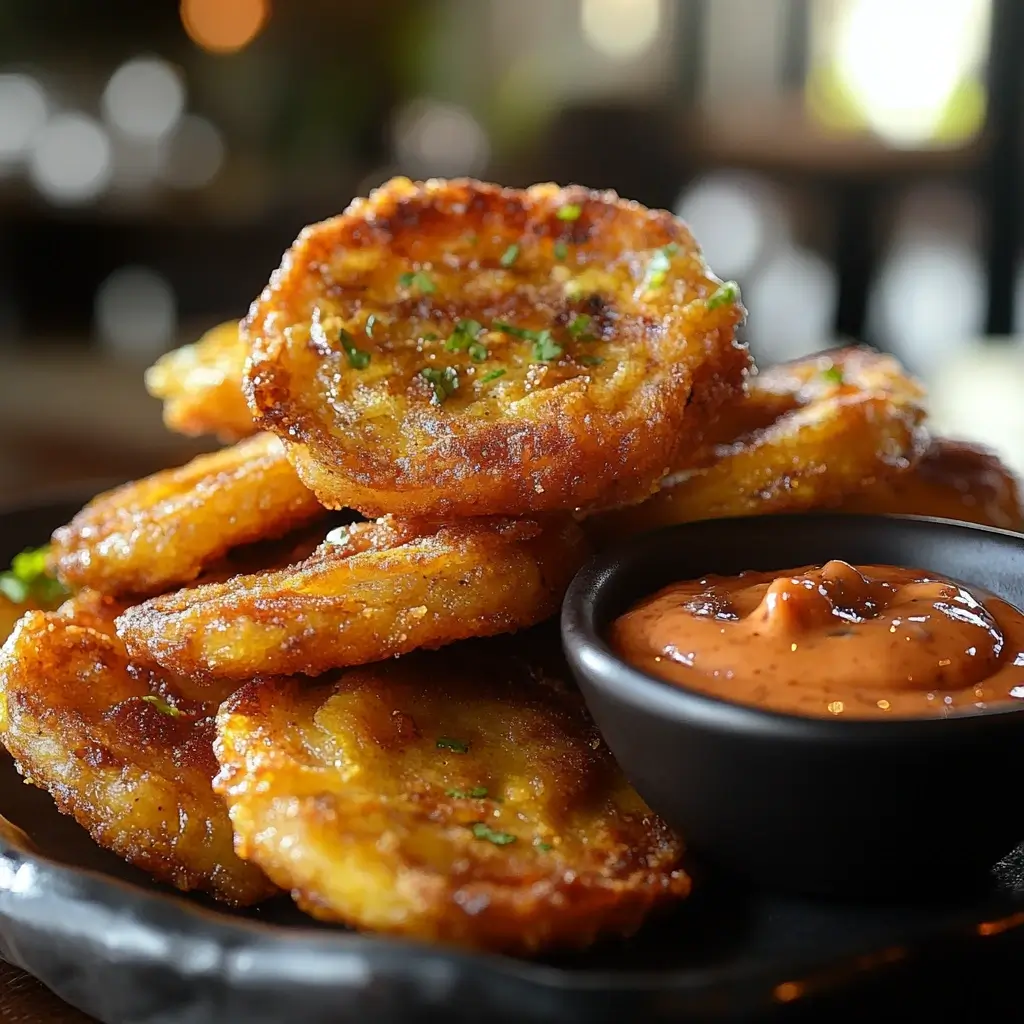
{"x": 108, "y": 940}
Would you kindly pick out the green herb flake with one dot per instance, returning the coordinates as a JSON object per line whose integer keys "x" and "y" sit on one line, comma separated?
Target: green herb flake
{"x": 561, "y": 250}
{"x": 510, "y": 255}
{"x": 590, "y": 360}
{"x": 492, "y": 375}
{"x": 29, "y": 580}
{"x": 659, "y": 266}
{"x": 515, "y": 332}
{"x": 542, "y": 846}
{"x": 723, "y": 295}
{"x": 163, "y": 707}
{"x": 475, "y": 793}
{"x": 431, "y": 336}
{"x": 455, "y": 746}
{"x": 545, "y": 348}
{"x": 466, "y": 332}
{"x": 833, "y": 375}
{"x": 579, "y": 327}
{"x": 418, "y": 280}
{"x": 445, "y": 382}
{"x": 358, "y": 359}
{"x": 477, "y": 352}
{"x": 371, "y": 322}
{"x": 484, "y": 831}
{"x": 571, "y": 211}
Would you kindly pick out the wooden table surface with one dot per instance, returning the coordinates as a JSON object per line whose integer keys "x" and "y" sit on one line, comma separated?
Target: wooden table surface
{"x": 24, "y": 1001}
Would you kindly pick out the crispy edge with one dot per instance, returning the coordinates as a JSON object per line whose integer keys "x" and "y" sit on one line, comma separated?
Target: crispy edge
{"x": 352, "y": 850}
{"x": 392, "y": 587}
{"x": 74, "y": 717}
{"x": 200, "y": 386}
{"x": 165, "y": 529}
{"x": 573, "y": 451}
{"x": 841, "y": 435}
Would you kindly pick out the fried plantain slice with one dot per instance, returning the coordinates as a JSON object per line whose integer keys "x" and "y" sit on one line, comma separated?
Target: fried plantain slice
{"x": 952, "y": 480}
{"x": 462, "y": 796}
{"x": 381, "y": 589}
{"x": 125, "y": 751}
{"x": 151, "y": 534}
{"x": 454, "y": 348}
{"x": 811, "y": 433}
{"x": 201, "y": 385}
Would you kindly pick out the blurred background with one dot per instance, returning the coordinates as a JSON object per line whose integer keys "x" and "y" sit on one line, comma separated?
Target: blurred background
{"x": 854, "y": 164}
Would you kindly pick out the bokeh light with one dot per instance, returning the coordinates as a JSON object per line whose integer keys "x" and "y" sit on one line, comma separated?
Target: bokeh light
{"x": 902, "y": 65}
{"x": 620, "y": 29}
{"x": 736, "y": 217}
{"x": 433, "y": 138}
{"x": 792, "y": 302}
{"x": 136, "y": 312}
{"x": 144, "y": 98}
{"x": 224, "y": 26}
{"x": 22, "y": 114}
{"x": 71, "y": 160}
{"x": 193, "y": 155}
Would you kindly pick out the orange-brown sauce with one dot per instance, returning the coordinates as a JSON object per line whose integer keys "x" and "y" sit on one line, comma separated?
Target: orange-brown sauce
{"x": 832, "y": 640}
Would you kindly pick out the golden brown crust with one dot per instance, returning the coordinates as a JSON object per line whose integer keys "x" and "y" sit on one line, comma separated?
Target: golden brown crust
{"x": 597, "y": 423}
{"x": 163, "y": 530}
{"x": 952, "y": 480}
{"x": 201, "y": 385}
{"x": 810, "y": 433}
{"x": 354, "y": 795}
{"x": 391, "y": 587}
{"x": 95, "y": 731}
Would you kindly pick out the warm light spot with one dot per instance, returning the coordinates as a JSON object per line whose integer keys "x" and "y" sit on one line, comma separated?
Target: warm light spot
{"x": 792, "y": 647}
{"x": 788, "y": 991}
{"x": 884, "y": 705}
{"x": 224, "y": 26}
{"x": 620, "y": 29}
{"x": 836, "y": 707}
{"x": 943, "y": 662}
{"x": 995, "y": 927}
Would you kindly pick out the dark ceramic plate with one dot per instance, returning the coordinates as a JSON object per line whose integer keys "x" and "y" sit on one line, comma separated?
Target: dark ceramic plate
{"x": 119, "y": 947}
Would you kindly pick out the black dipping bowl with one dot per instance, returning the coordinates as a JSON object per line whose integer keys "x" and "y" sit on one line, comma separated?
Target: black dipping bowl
{"x": 838, "y": 807}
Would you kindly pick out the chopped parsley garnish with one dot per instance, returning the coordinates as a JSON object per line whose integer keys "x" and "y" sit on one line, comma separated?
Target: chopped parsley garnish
{"x": 510, "y": 255}
{"x": 339, "y": 535}
{"x": 29, "y": 580}
{"x": 465, "y": 333}
{"x": 542, "y": 846}
{"x": 483, "y": 831}
{"x": 723, "y": 295}
{"x": 371, "y": 320}
{"x": 431, "y": 336}
{"x": 444, "y": 381}
{"x": 590, "y": 360}
{"x": 571, "y": 211}
{"x": 357, "y": 358}
{"x": 477, "y": 352}
{"x": 834, "y": 375}
{"x": 455, "y": 746}
{"x": 476, "y": 793}
{"x": 418, "y": 280}
{"x": 659, "y": 266}
{"x": 579, "y": 327}
{"x": 545, "y": 348}
{"x": 516, "y": 332}
{"x": 163, "y": 707}
{"x": 561, "y": 250}
{"x": 492, "y": 375}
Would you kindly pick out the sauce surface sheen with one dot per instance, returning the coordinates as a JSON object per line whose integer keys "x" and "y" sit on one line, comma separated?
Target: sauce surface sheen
{"x": 832, "y": 640}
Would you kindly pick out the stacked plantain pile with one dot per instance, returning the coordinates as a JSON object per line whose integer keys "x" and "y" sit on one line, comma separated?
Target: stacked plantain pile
{"x": 496, "y": 380}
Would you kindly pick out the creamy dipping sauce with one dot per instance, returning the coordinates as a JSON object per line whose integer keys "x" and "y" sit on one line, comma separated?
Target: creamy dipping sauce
{"x": 833, "y": 640}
